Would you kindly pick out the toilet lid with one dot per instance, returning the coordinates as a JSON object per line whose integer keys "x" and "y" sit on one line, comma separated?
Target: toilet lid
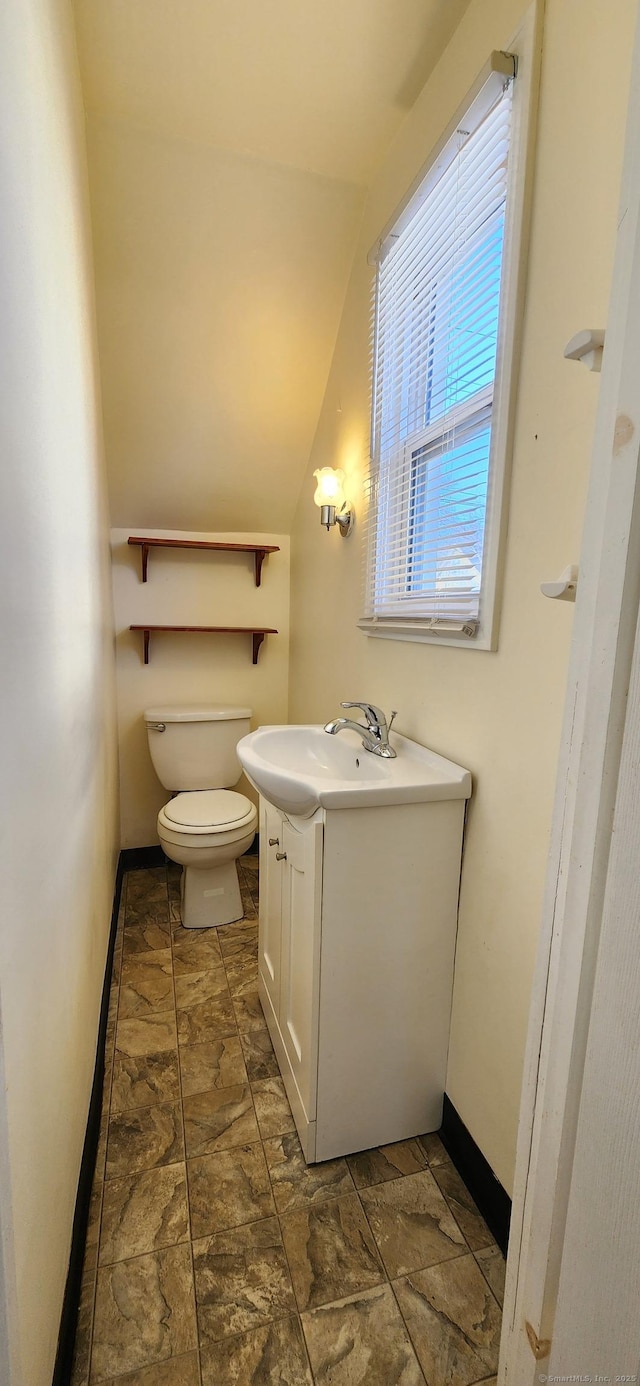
{"x": 208, "y": 808}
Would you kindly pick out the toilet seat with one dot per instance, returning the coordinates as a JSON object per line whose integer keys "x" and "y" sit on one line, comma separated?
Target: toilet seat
{"x": 208, "y": 811}
{"x": 202, "y": 818}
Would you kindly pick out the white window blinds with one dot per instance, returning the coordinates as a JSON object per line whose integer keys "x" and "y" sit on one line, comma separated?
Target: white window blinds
{"x": 436, "y": 320}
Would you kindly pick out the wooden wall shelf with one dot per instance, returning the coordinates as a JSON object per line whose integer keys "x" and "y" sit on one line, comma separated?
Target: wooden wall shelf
{"x": 259, "y": 551}
{"x": 257, "y": 634}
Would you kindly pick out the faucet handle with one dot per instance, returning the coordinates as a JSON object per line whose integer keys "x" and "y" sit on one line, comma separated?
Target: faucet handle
{"x": 374, "y": 715}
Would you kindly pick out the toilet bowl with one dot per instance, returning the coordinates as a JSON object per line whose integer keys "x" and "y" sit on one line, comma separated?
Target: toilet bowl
{"x": 206, "y": 830}
{"x": 206, "y": 826}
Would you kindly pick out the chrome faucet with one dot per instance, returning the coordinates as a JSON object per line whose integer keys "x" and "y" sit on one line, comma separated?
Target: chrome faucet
{"x": 375, "y": 736}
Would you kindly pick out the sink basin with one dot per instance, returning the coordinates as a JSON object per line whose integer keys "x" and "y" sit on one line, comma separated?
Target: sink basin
{"x": 301, "y": 769}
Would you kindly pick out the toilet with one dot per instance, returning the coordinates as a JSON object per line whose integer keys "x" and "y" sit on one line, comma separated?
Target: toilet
{"x": 207, "y": 825}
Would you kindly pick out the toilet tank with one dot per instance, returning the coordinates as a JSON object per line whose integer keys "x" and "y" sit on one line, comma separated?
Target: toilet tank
{"x": 194, "y": 747}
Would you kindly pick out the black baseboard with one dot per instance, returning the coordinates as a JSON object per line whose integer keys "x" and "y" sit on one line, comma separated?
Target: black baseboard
{"x": 492, "y": 1200}
{"x": 71, "y": 1300}
{"x": 137, "y": 858}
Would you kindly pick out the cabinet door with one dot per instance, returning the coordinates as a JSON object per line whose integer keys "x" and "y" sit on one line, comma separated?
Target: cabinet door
{"x": 300, "y": 956}
{"x": 271, "y": 824}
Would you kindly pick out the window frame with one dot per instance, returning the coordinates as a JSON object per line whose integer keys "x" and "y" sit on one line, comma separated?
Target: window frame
{"x": 424, "y": 629}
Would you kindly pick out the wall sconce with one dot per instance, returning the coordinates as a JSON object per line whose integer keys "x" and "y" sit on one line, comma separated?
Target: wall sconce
{"x": 330, "y": 497}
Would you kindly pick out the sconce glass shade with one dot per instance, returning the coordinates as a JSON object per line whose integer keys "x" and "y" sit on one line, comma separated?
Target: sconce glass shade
{"x": 330, "y": 487}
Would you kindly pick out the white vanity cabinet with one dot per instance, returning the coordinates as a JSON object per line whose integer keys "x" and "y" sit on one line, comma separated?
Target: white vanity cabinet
{"x": 290, "y": 905}
{"x": 358, "y": 911}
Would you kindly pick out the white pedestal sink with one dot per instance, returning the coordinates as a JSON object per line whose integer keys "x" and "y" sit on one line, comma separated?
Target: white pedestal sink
{"x": 359, "y": 879}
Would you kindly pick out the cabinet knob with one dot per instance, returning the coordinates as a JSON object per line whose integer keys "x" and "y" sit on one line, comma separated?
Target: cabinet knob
{"x": 281, "y": 856}
{"x": 274, "y": 841}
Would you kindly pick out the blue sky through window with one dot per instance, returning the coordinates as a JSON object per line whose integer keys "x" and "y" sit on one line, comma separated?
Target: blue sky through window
{"x": 447, "y": 502}
{"x": 473, "y": 323}
{"x": 449, "y": 479}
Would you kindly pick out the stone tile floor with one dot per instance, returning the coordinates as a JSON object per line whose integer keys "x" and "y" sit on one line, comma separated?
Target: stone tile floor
{"x": 215, "y": 1256}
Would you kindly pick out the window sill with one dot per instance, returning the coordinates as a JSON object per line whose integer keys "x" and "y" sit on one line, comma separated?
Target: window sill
{"x": 424, "y": 632}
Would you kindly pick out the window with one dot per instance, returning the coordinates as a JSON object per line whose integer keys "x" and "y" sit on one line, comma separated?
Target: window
{"x": 433, "y": 502}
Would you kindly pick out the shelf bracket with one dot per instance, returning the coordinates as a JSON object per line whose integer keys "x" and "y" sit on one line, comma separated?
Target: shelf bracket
{"x": 259, "y": 557}
{"x": 144, "y": 555}
{"x": 587, "y": 346}
{"x": 565, "y": 587}
{"x": 146, "y": 635}
{"x": 257, "y": 639}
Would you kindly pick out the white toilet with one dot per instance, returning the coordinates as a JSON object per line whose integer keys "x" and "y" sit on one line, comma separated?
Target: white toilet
{"x": 206, "y": 826}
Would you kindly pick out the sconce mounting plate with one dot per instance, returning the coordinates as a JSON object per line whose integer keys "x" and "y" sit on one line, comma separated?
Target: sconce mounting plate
{"x": 345, "y": 522}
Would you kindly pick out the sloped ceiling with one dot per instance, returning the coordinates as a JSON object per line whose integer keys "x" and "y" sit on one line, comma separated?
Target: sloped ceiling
{"x": 230, "y": 145}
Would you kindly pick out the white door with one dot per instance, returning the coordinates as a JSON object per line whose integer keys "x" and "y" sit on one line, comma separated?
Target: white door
{"x": 573, "y": 1276}
{"x": 270, "y": 925}
{"x": 300, "y": 957}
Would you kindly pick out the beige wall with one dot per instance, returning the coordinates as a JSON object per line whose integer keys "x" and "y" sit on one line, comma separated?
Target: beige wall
{"x": 200, "y": 589}
{"x": 59, "y": 840}
{"x": 497, "y": 713}
{"x": 313, "y": 86}
{"x": 219, "y": 280}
